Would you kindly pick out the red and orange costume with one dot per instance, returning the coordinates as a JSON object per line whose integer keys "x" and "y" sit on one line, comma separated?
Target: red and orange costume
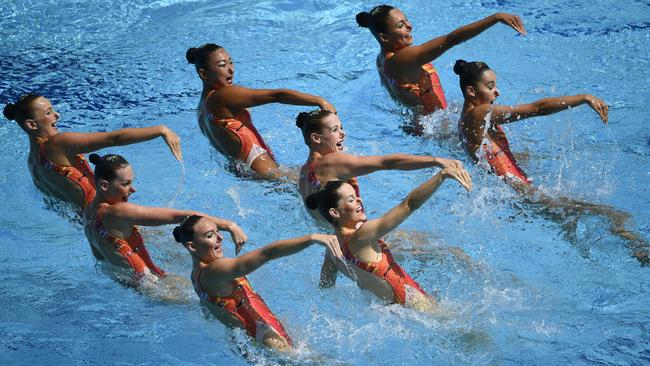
{"x": 79, "y": 173}
{"x": 428, "y": 88}
{"x": 247, "y": 306}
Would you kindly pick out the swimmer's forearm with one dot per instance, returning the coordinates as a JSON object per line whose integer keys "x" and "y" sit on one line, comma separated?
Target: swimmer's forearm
{"x": 422, "y": 193}
{"x": 283, "y": 248}
{"x": 288, "y": 96}
{"x": 409, "y": 162}
{"x": 127, "y": 136}
{"x": 556, "y": 104}
{"x": 471, "y": 30}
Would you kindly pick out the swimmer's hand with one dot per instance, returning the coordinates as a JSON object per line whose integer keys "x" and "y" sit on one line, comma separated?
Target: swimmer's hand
{"x": 449, "y": 163}
{"x": 511, "y": 20}
{"x": 238, "y": 236}
{"x": 459, "y": 174}
{"x": 326, "y": 106}
{"x": 330, "y": 242}
{"x": 173, "y": 141}
{"x": 599, "y": 106}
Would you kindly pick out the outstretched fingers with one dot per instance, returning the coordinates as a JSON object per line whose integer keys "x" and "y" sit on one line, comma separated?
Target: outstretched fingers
{"x": 515, "y": 22}
{"x": 600, "y": 107}
{"x": 174, "y": 142}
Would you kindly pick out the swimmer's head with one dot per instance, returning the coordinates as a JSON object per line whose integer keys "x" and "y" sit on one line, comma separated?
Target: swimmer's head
{"x": 338, "y": 203}
{"x": 33, "y": 113}
{"x": 321, "y": 130}
{"x": 201, "y": 237}
{"x": 213, "y": 64}
{"x": 185, "y": 231}
{"x": 477, "y": 80}
{"x": 389, "y": 25}
{"x": 113, "y": 177}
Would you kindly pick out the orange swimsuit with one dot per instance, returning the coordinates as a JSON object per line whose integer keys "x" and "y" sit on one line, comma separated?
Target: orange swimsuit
{"x": 387, "y": 269}
{"x": 252, "y": 143}
{"x": 428, "y": 88}
{"x": 131, "y": 248}
{"x": 247, "y": 306}
{"x": 497, "y": 154}
{"x": 79, "y": 173}
{"x": 317, "y": 185}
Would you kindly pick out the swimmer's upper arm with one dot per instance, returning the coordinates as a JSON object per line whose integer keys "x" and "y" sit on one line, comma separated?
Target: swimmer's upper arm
{"x": 231, "y": 268}
{"x": 502, "y": 114}
{"x": 345, "y": 166}
{"x": 82, "y": 143}
{"x": 126, "y": 214}
{"x": 378, "y": 228}
{"x": 237, "y": 97}
{"x": 416, "y": 56}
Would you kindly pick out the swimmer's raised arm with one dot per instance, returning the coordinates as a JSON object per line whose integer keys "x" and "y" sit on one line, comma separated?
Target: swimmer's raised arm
{"x": 376, "y": 229}
{"x": 506, "y": 114}
{"x": 230, "y": 268}
{"x": 237, "y": 234}
{"x": 345, "y": 166}
{"x": 81, "y": 143}
{"x": 416, "y": 56}
{"x": 237, "y": 97}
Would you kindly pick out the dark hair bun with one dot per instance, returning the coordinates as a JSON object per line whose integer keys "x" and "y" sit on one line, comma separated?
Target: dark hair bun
{"x": 311, "y": 201}
{"x": 190, "y": 55}
{"x": 364, "y": 19}
{"x": 10, "y": 111}
{"x": 303, "y": 117}
{"x": 177, "y": 233}
{"x": 460, "y": 67}
{"x": 94, "y": 158}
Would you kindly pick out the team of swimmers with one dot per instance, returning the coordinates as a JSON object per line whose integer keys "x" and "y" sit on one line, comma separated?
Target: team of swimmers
{"x": 327, "y": 181}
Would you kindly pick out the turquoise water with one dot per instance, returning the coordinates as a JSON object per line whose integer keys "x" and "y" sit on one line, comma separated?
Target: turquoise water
{"x": 522, "y": 290}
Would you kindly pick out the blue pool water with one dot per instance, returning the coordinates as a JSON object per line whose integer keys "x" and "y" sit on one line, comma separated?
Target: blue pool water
{"x": 520, "y": 288}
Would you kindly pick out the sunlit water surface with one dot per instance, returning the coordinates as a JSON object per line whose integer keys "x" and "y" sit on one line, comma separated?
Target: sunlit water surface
{"x": 519, "y": 291}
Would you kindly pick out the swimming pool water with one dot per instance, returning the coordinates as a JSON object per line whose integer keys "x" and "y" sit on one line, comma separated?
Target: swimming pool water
{"x": 521, "y": 288}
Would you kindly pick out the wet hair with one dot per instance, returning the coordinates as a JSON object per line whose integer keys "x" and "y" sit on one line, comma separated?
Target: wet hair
{"x": 185, "y": 231}
{"x": 22, "y": 110}
{"x": 107, "y": 165}
{"x": 328, "y": 197}
{"x": 199, "y": 55}
{"x": 375, "y": 20}
{"x": 470, "y": 72}
{"x": 310, "y": 122}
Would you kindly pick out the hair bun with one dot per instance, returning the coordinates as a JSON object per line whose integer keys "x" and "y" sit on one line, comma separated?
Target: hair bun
{"x": 177, "y": 234}
{"x": 10, "y": 111}
{"x": 460, "y": 67}
{"x": 303, "y": 117}
{"x": 190, "y": 55}
{"x": 94, "y": 158}
{"x": 364, "y": 19}
{"x": 311, "y": 201}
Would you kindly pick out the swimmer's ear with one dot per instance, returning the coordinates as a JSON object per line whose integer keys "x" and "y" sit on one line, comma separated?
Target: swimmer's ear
{"x": 103, "y": 185}
{"x": 190, "y": 246}
{"x": 382, "y": 38}
{"x": 470, "y": 91}
{"x": 30, "y": 124}
{"x": 315, "y": 137}
{"x": 202, "y": 74}
{"x": 334, "y": 213}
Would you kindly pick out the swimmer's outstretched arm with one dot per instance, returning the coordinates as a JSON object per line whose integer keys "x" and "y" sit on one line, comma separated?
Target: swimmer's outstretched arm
{"x": 345, "y": 166}
{"x": 237, "y": 97}
{"x": 505, "y": 114}
{"x": 376, "y": 229}
{"x": 229, "y": 268}
{"x": 416, "y": 56}
{"x": 123, "y": 216}
{"x": 81, "y": 143}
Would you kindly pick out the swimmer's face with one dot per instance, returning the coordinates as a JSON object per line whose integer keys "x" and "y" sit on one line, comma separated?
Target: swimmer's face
{"x": 120, "y": 188}
{"x": 220, "y": 70}
{"x": 398, "y": 32}
{"x": 207, "y": 240}
{"x": 332, "y": 135}
{"x": 44, "y": 117}
{"x": 486, "y": 91}
{"x": 349, "y": 209}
